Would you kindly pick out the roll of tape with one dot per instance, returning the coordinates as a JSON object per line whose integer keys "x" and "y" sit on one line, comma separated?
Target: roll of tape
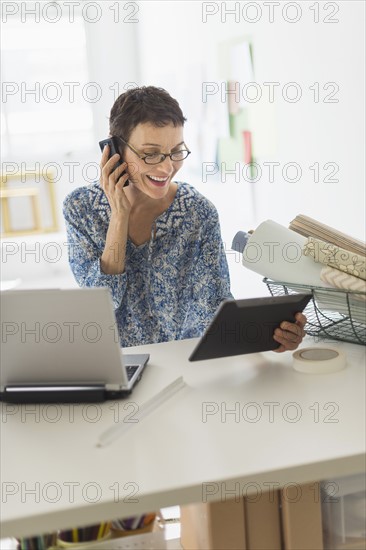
{"x": 319, "y": 360}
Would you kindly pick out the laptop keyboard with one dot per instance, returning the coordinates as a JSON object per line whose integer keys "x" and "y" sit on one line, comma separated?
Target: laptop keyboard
{"x": 131, "y": 369}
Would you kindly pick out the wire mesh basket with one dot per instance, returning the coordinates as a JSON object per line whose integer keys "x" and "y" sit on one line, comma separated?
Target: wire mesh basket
{"x": 331, "y": 313}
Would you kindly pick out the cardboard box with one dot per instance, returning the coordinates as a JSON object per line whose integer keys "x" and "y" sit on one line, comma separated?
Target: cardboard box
{"x": 249, "y": 524}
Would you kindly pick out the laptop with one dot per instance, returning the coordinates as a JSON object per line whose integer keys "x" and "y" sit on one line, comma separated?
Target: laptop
{"x": 247, "y": 326}
{"x": 62, "y": 345}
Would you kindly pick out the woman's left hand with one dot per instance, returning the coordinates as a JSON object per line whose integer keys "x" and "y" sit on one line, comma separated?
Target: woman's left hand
{"x": 290, "y": 335}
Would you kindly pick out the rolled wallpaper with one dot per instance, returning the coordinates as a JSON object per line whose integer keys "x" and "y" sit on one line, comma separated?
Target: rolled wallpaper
{"x": 336, "y": 257}
{"x": 276, "y": 252}
{"x": 339, "y": 279}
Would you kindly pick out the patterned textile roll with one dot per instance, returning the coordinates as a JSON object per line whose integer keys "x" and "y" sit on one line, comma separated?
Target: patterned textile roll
{"x": 336, "y": 257}
{"x": 342, "y": 280}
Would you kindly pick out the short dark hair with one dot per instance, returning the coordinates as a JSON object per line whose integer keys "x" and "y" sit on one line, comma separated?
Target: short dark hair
{"x": 146, "y": 104}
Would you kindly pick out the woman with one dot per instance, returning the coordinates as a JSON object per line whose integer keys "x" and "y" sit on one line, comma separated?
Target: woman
{"x": 155, "y": 243}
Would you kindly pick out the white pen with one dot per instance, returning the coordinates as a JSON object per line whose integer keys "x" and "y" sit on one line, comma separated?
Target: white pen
{"x": 146, "y": 408}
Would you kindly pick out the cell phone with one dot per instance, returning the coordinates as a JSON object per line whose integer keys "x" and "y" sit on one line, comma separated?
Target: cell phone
{"x": 113, "y": 149}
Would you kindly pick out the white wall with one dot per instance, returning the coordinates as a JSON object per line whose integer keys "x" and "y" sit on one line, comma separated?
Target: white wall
{"x": 175, "y": 44}
{"x": 112, "y": 54}
{"x": 169, "y": 45}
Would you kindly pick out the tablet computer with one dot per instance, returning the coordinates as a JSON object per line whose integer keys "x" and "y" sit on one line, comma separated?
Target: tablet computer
{"x": 247, "y": 326}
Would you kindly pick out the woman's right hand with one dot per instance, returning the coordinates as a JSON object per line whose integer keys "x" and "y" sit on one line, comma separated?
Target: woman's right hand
{"x": 112, "y": 186}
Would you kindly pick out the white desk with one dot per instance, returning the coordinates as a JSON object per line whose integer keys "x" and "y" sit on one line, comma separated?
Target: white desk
{"x": 54, "y": 476}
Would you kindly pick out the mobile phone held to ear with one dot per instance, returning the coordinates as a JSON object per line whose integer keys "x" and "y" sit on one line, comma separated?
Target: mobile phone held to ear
{"x": 113, "y": 149}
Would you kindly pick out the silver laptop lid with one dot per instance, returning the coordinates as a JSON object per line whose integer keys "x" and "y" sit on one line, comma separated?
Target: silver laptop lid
{"x": 60, "y": 336}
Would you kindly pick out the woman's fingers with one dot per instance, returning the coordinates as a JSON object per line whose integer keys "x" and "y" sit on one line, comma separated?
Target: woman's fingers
{"x": 112, "y": 176}
{"x": 107, "y": 164}
{"x": 103, "y": 165}
{"x": 109, "y": 169}
{"x": 290, "y": 335}
{"x": 117, "y": 174}
{"x": 112, "y": 182}
{"x": 301, "y": 320}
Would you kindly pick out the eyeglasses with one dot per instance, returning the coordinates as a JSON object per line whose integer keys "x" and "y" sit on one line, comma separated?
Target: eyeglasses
{"x": 156, "y": 158}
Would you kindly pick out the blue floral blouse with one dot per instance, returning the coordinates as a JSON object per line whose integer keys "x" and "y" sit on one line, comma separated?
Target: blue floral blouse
{"x": 173, "y": 284}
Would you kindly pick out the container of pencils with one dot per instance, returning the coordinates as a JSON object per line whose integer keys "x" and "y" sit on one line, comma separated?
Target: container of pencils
{"x": 136, "y": 525}
{"x": 41, "y": 542}
{"x": 81, "y": 537}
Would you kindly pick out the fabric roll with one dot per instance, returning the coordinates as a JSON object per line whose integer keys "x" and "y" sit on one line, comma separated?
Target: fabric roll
{"x": 313, "y": 228}
{"x": 339, "y": 279}
{"x": 276, "y": 252}
{"x": 335, "y": 257}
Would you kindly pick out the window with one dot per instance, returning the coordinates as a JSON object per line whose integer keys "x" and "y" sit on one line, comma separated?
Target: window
{"x": 46, "y": 95}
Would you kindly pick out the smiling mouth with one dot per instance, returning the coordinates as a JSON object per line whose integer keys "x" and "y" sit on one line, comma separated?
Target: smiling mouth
{"x": 159, "y": 182}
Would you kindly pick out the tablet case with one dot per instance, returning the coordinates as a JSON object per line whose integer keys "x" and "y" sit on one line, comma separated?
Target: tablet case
{"x": 247, "y": 326}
